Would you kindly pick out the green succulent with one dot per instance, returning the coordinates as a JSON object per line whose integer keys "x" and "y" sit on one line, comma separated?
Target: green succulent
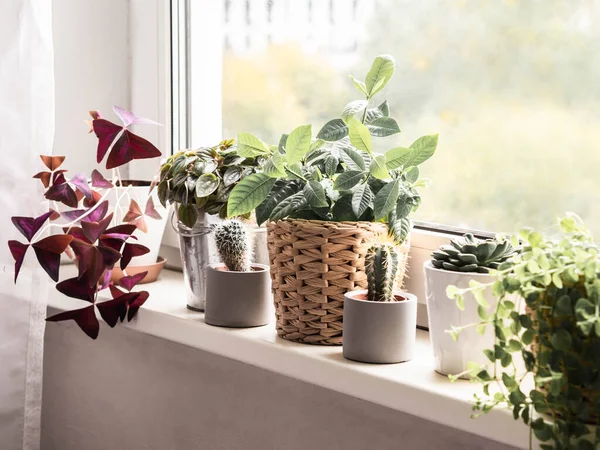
{"x": 469, "y": 254}
{"x": 381, "y": 265}
{"x": 233, "y": 244}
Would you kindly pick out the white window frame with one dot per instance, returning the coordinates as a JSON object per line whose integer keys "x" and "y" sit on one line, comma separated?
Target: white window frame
{"x": 195, "y": 110}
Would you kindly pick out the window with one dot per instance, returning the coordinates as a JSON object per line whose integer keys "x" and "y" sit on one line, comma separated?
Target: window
{"x": 511, "y": 86}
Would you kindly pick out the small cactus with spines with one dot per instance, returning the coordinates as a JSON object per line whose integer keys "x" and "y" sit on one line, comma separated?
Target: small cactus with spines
{"x": 233, "y": 245}
{"x": 470, "y": 254}
{"x": 381, "y": 266}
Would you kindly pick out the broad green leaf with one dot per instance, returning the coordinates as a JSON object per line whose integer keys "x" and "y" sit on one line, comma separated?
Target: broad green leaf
{"x": 396, "y": 157}
{"x": 289, "y": 205}
{"x": 383, "y": 126}
{"x": 206, "y": 184}
{"x": 342, "y": 209}
{"x": 275, "y": 167}
{"x": 352, "y": 108}
{"x": 362, "y": 199}
{"x": 188, "y": 214}
{"x": 420, "y": 151}
{"x": 294, "y": 171}
{"x": 352, "y": 159}
{"x": 378, "y": 167}
{"x": 386, "y": 199}
{"x": 399, "y": 228}
{"x": 315, "y": 194}
{"x": 380, "y": 73}
{"x": 359, "y": 85}
{"x": 282, "y": 142}
{"x": 298, "y": 143}
{"x": 316, "y": 144}
{"x": 248, "y": 194}
{"x": 382, "y": 110}
{"x": 360, "y": 136}
{"x": 412, "y": 174}
{"x": 331, "y": 164}
{"x": 347, "y": 180}
{"x": 281, "y": 190}
{"x": 232, "y": 175}
{"x": 334, "y": 130}
{"x": 250, "y": 146}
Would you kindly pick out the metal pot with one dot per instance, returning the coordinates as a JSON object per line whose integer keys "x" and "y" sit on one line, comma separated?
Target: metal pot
{"x": 198, "y": 251}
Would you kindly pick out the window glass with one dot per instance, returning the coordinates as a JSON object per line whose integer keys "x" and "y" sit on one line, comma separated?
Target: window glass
{"x": 511, "y": 86}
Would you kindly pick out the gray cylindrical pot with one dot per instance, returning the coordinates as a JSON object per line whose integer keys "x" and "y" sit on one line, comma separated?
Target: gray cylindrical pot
{"x": 238, "y": 299}
{"x": 379, "y": 332}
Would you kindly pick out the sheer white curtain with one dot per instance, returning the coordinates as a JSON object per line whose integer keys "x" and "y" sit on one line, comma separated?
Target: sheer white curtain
{"x": 26, "y": 130}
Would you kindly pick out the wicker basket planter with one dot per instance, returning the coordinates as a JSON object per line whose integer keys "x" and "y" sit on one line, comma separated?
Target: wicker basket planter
{"x": 313, "y": 264}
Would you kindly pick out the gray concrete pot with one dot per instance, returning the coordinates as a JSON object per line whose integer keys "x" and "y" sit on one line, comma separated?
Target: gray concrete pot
{"x": 379, "y": 332}
{"x": 238, "y": 299}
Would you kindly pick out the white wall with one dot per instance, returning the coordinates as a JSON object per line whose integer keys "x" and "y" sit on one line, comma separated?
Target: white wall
{"x": 92, "y": 71}
{"x": 128, "y": 390}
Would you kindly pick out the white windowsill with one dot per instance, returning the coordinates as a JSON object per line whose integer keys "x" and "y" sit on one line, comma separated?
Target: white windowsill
{"x": 412, "y": 387}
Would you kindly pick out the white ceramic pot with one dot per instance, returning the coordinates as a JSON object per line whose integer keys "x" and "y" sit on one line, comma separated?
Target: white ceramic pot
{"x": 452, "y": 357}
{"x": 156, "y": 227}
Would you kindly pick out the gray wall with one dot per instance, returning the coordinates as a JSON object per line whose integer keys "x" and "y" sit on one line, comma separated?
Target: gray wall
{"x": 137, "y": 392}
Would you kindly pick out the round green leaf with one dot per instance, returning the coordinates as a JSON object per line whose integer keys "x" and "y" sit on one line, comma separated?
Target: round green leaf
{"x": 206, "y": 184}
{"x": 188, "y": 214}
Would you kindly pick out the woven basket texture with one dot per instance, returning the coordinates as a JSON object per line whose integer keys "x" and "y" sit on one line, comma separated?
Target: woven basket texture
{"x": 313, "y": 263}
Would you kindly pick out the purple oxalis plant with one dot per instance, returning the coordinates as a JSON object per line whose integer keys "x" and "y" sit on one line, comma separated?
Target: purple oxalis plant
{"x": 88, "y": 231}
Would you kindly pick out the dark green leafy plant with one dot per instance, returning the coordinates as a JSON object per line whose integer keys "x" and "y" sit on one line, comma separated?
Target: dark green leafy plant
{"x": 203, "y": 179}
{"x": 469, "y": 254}
{"x": 381, "y": 266}
{"x": 233, "y": 244}
{"x": 338, "y": 176}
{"x": 549, "y": 314}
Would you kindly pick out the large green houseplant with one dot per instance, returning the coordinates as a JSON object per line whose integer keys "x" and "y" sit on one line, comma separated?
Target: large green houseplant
{"x": 334, "y": 187}
{"x": 548, "y": 313}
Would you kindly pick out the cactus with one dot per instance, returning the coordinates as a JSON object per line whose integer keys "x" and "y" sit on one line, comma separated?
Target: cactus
{"x": 470, "y": 254}
{"x": 381, "y": 265}
{"x": 233, "y": 244}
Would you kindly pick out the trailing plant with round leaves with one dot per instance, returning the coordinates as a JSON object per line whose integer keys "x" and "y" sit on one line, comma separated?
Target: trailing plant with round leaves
{"x": 470, "y": 254}
{"x": 338, "y": 175}
{"x": 549, "y": 315}
{"x": 84, "y": 228}
{"x": 381, "y": 266}
{"x": 203, "y": 179}
{"x": 233, "y": 244}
